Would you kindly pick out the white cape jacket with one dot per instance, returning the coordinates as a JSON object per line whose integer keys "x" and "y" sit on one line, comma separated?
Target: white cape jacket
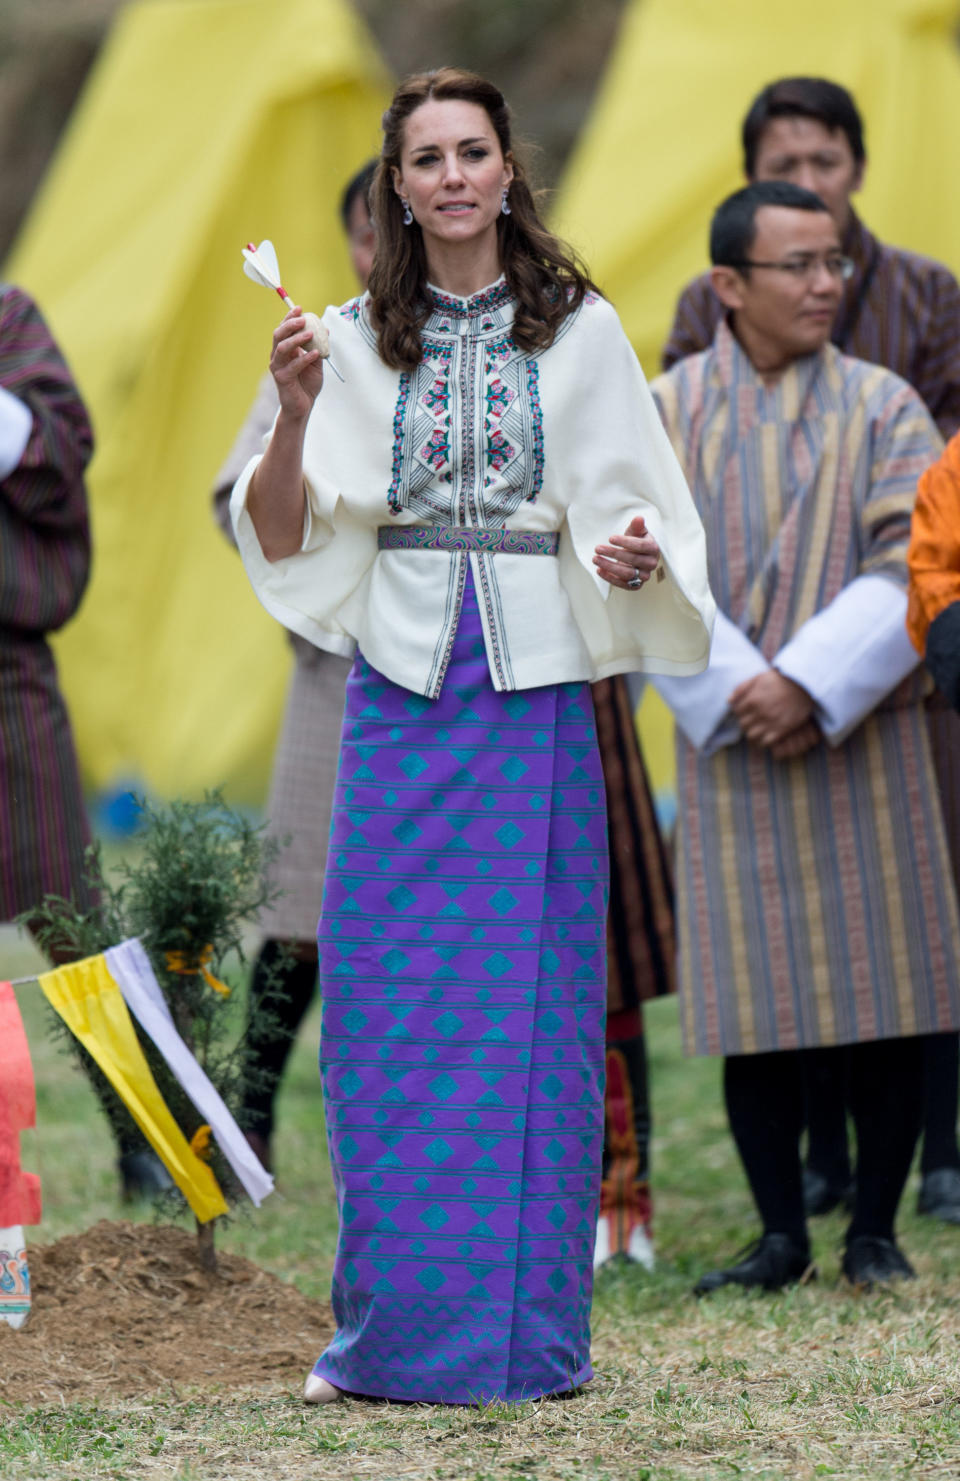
{"x": 483, "y": 435}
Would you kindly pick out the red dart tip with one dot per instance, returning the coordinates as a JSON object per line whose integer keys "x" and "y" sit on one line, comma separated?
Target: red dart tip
{"x": 251, "y": 247}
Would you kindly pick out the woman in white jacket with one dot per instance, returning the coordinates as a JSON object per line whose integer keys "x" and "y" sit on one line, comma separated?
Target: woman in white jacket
{"x": 447, "y": 513}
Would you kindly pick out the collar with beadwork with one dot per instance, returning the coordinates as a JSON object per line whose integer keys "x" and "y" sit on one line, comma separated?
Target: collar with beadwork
{"x": 496, "y": 296}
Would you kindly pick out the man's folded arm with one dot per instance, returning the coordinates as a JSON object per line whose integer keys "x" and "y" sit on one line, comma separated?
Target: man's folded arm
{"x": 700, "y": 704}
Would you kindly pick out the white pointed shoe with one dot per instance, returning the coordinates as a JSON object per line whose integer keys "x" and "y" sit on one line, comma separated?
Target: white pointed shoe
{"x": 319, "y": 1391}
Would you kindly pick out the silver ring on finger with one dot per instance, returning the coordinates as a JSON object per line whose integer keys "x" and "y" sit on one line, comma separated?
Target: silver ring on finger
{"x": 635, "y": 582}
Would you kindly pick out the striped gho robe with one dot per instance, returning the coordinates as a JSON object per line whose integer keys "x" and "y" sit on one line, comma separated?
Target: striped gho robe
{"x": 898, "y": 309}
{"x": 815, "y": 900}
{"x": 44, "y": 565}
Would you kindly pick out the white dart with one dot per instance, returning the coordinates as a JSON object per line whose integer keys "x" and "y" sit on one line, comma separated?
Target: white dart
{"x": 260, "y": 264}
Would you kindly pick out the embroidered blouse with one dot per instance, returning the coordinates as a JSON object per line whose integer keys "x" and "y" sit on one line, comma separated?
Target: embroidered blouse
{"x": 481, "y": 434}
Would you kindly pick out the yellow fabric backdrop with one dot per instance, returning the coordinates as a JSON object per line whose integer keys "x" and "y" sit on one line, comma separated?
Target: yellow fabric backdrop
{"x": 205, "y": 123}
{"x": 662, "y": 149}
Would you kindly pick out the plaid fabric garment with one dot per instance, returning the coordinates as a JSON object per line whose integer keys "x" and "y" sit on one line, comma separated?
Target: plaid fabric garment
{"x": 44, "y": 564}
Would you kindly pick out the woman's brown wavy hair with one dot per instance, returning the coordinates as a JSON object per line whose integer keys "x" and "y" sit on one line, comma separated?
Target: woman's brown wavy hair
{"x": 545, "y": 277}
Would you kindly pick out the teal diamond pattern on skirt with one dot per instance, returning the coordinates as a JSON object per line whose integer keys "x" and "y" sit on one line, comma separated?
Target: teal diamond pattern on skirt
{"x": 431, "y": 1278}
{"x": 394, "y": 961}
{"x": 415, "y": 705}
{"x": 401, "y": 898}
{"x": 350, "y": 1083}
{"x": 464, "y": 1116}
{"x": 354, "y": 1020}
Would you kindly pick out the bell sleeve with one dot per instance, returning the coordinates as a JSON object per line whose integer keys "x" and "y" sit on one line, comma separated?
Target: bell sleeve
{"x": 618, "y": 463}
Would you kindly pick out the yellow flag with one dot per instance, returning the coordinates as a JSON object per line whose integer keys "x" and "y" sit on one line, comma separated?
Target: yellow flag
{"x": 91, "y": 1005}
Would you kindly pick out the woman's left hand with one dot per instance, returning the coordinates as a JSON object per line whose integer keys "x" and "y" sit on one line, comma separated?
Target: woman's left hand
{"x": 630, "y": 559}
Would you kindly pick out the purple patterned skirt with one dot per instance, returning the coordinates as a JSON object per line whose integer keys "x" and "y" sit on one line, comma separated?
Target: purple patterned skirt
{"x": 462, "y": 963}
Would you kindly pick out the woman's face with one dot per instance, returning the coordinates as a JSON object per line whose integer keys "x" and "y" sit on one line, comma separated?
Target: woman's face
{"x": 452, "y": 171}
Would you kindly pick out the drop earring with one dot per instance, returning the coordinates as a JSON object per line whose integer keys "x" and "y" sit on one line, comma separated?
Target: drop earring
{"x": 407, "y": 213}
{"x": 504, "y": 203}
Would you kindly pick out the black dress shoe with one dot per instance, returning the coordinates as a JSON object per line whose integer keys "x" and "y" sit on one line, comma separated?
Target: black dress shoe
{"x": 939, "y": 1194}
{"x": 870, "y": 1259}
{"x": 820, "y": 1196}
{"x": 773, "y": 1261}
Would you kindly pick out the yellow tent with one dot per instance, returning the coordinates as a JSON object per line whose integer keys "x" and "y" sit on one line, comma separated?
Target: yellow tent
{"x": 206, "y": 123}
{"x": 663, "y": 148}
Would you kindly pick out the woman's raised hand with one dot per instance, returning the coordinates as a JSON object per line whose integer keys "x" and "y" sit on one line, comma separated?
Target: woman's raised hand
{"x": 630, "y": 559}
{"x": 296, "y": 368}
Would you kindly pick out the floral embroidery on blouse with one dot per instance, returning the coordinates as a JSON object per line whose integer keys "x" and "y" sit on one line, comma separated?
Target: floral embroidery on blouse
{"x": 473, "y": 378}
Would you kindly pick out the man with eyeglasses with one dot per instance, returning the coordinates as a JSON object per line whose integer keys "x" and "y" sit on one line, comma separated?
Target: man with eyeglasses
{"x": 900, "y": 310}
{"x": 815, "y": 908}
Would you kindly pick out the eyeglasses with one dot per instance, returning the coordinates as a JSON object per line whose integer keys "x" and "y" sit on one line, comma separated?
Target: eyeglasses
{"x": 804, "y": 268}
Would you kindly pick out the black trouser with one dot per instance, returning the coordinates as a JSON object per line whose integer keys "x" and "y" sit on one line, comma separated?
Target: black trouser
{"x": 281, "y": 991}
{"x": 826, "y": 1109}
{"x": 765, "y": 1103}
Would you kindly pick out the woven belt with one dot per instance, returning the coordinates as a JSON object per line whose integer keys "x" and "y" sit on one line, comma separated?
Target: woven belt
{"x": 462, "y": 537}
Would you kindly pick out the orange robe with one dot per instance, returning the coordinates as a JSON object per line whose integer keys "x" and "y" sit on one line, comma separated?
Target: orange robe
{"x": 934, "y": 554}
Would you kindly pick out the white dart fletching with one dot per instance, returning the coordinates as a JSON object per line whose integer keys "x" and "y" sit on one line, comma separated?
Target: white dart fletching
{"x": 260, "y": 264}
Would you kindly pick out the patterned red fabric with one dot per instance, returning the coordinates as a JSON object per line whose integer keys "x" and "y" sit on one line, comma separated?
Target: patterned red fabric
{"x": 19, "y": 1191}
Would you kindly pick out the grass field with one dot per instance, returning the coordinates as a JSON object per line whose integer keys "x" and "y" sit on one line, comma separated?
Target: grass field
{"x": 816, "y": 1382}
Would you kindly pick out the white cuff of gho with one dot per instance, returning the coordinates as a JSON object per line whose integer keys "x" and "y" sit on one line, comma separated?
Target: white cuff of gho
{"x": 852, "y": 654}
{"x": 16, "y": 424}
{"x": 701, "y": 703}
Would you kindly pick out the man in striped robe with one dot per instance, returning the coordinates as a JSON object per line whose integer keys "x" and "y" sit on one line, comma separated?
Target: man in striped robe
{"x": 45, "y": 444}
{"x": 900, "y": 310}
{"x": 816, "y": 906}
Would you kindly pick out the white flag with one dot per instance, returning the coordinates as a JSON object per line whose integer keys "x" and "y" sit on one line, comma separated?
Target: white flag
{"x": 130, "y": 968}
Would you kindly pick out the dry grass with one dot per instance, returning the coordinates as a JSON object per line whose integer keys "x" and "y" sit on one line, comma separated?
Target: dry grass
{"x": 819, "y": 1381}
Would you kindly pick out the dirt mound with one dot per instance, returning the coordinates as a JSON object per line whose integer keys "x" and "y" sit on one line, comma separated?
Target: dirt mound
{"x": 125, "y": 1309}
